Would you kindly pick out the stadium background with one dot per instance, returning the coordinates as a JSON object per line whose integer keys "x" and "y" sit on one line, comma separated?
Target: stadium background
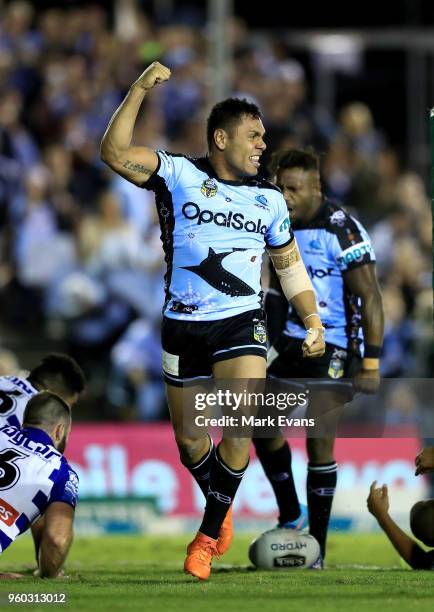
{"x": 81, "y": 267}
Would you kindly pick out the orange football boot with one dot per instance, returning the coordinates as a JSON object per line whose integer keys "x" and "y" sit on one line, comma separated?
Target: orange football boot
{"x": 226, "y": 533}
{"x": 199, "y": 556}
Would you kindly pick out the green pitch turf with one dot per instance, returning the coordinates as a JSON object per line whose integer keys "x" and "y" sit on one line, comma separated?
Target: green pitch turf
{"x": 145, "y": 573}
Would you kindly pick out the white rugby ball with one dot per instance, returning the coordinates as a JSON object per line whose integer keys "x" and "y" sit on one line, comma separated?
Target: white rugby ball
{"x": 284, "y": 549}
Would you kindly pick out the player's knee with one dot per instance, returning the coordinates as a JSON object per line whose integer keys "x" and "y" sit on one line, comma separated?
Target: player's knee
{"x": 237, "y": 444}
{"x": 189, "y": 448}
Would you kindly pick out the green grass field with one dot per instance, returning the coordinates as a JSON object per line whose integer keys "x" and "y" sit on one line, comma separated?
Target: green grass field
{"x": 145, "y": 573}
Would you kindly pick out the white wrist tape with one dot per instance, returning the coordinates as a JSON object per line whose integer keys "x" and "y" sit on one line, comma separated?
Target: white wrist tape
{"x": 313, "y": 333}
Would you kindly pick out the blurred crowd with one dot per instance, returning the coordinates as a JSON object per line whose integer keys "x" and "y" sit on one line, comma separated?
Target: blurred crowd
{"x": 80, "y": 261}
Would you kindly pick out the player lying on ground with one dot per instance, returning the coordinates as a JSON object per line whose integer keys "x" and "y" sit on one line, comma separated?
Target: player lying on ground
{"x": 338, "y": 255}
{"x": 421, "y": 523}
{"x": 36, "y": 480}
{"x": 216, "y": 218}
{"x": 56, "y": 372}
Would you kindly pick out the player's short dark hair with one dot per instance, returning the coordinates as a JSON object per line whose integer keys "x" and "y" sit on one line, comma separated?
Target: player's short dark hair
{"x": 46, "y": 409}
{"x": 422, "y": 521}
{"x": 229, "y": 113}
{"x": 306, "y": 159}
{"x": 59, "y": 373}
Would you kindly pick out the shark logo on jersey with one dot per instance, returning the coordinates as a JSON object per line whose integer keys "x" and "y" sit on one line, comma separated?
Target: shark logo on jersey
{"x": 263, "y": 202}
{"x": 315, "y": 244}
{"x": 338, "y": 218}
{"x": 212, "y": 271}
{"x": 315, "y": 248}
{"x": 209, "y": 188}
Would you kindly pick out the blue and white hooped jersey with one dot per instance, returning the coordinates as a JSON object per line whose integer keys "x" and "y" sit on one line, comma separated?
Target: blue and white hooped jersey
{"x": 214, "y": 233}
{"x": 330, "y": 244}
{"x": 14, "y": 394}
{"x": 33, "y": 474}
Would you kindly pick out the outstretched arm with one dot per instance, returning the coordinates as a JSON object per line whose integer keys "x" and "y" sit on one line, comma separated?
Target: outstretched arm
{"x": 133, "y": 163}
{"x": 408, "y": 549}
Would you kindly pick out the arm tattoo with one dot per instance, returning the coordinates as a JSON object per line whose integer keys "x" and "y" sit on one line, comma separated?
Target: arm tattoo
{"x": 129, "y": 165}
{"x": 284, "y": 260}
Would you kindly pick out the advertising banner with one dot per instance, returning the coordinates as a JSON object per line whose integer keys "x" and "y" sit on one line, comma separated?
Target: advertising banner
{"x": 140, "y": 460}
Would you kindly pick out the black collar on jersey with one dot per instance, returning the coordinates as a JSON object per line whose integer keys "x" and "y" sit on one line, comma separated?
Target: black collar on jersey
{"x": 204, "y": 164}
{"x": 38, "y": 435}
{"x": 155, "y": 182}
{"x": 318, "y": 217}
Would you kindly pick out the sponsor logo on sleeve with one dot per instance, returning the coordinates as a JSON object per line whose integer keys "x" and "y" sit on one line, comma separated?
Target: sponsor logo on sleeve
{"x": 355, "y": 253}
{"x": 72, "y": 484}
{"x": 284, "y": 226}
{"x": 8, "y": 514}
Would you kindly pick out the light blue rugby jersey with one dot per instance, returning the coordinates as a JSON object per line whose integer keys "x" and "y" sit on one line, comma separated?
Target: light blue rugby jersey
{"x": 330, "y": 244}
{"x": 214, "y": 233}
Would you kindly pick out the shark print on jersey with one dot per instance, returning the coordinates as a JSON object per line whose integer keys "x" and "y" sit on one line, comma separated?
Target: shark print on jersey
{"x": 214, "y": 233}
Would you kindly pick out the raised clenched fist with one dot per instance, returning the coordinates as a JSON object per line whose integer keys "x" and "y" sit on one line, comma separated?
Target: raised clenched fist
{"x": 154, "y": 74}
